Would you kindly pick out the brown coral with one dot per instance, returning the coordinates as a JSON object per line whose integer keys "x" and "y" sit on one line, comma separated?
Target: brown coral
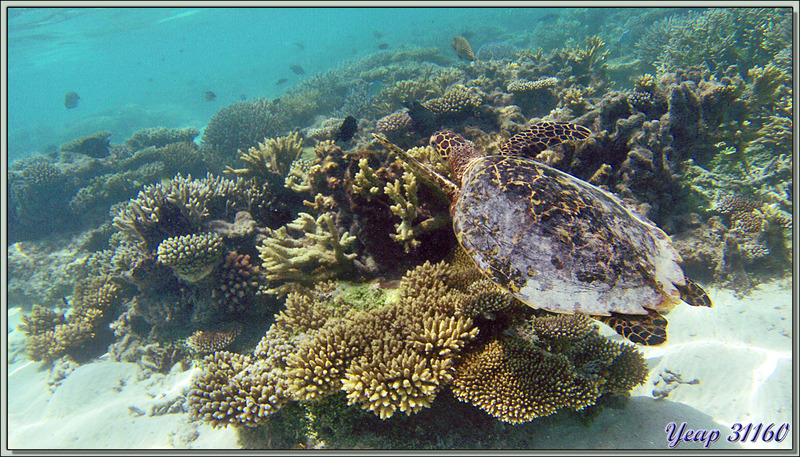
{"x": 216, "y": 339}
{"x": 397, "y": 122}
{"x": 523, "y": 85}
{"x": 516, "y": 383}
{"x": 457, "y": 100}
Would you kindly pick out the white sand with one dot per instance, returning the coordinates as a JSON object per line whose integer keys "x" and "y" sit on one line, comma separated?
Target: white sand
{"x": 739, "y": 351}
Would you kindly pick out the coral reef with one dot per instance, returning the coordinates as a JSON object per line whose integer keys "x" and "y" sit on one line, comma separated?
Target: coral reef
{"x": 273, "y": 156}
{"x": 96, "y": 145}
{"x": 191, "y": 257}
{"x": 204, "y": 341}
{"x": 390, "y": 355}
{"x": 243, "y": 124}
{"x": 304, "y": 251}
{"x": 160, "y": 137}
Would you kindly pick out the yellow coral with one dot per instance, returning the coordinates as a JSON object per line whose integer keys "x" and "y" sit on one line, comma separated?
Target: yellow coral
{"x": 274, "y": 155}
{"x": 319, "y": 253}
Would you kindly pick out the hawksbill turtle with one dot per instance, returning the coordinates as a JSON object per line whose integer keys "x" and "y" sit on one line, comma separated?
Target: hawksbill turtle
{"x": 556, "y": 242}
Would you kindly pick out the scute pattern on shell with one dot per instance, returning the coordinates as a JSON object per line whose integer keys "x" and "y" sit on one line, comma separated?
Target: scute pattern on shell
{"x": 583, "y": 251}
{"x": 541, "y": 136}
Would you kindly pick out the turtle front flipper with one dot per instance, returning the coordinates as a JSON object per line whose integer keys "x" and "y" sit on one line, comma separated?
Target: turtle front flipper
{"x": 541, "y": 136}
{"x": 693, "y": 294}
{"x": 647, "y": 330}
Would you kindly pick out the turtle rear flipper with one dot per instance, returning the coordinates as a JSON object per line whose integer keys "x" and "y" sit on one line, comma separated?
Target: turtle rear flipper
{"x": 693, "y": 294}
{"x": 647, "y": 330}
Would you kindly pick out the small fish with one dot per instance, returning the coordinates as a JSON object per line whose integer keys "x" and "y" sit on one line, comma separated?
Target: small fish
{"x": 547, "y": 17}
{"x": 347, "y": 129}
{"x": 297, "y": 69}
{"x": 71, "y": 100}
{"x": 282, "y": 81}
{"x": 383, "y": 46}
{"x": 423, "y": 118}
{"x": 299, "y": 45}
{"x": 624, "y": 37}
{"x": 377, "y": 34}
{"x": 209, "y": 96}
{"x": 242, "y": 97}
{"x": 462, "y": 48}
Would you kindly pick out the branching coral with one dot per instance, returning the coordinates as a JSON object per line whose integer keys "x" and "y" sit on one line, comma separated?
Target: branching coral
{"x": 51, "y": 335}
{"x": 304, "y": 251}
{"x": 274, "y": 155}
{"x": 561, "y": 362}
{"x": 192, "y": 257}
{"x": 458, "y": 100}
{"x": 407, "y": 207}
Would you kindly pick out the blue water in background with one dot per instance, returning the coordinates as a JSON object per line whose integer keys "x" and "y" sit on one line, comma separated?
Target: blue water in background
{"x": 139, "y": 68}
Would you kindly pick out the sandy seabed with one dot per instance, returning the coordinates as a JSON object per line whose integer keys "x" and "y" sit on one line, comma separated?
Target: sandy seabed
{"x": 721, "y": 366}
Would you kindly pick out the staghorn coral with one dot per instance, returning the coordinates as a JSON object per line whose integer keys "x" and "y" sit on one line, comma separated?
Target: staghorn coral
{"x": 274, "y": 155}
{"x": 204, "y": 341}
{"x": 160, "y": 137}
{"x": 191, "y": 257}
{"x": 407, "y": 207}
{"x": 304, "y": 251}
{"x": 96, "y": 145}
{"x": 302, "y": 175}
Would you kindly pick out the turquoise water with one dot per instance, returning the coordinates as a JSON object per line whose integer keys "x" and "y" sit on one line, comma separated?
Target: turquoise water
{"x": 151, "y": 66}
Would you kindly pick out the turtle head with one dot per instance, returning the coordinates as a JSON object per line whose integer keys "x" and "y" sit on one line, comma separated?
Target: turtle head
{"x": 456, "y": 150}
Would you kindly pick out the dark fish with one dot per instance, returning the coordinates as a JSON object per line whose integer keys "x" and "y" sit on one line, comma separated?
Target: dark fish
{"x": 347, "y": 129}
{"x": 297, "y": 69}
{"x": 242, "y": 97}
{"x": 377, "y": 34}
{"x": 282, "y": 81}
{"x": 383, "y": 46}
{"x": 209, "y": 96}
{"x": 547, "y": 17}
{"x": 299, "y": 45}
{"x": 71, "y": 100}
{"x": 424, "y": 119}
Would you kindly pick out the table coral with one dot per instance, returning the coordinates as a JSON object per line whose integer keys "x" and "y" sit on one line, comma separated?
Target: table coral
{"x": 96, "y": 145}
{"x": 160, "y": 137}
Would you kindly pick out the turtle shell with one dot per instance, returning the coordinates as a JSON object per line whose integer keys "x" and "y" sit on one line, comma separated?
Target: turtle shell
{"x": 562, "y": 244}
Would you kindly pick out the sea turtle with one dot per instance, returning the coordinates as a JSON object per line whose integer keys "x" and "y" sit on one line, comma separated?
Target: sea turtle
{"x": 556, "y": 242}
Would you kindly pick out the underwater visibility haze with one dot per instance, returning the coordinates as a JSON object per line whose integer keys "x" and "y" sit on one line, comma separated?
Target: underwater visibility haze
{"x": 400, "y": 228}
